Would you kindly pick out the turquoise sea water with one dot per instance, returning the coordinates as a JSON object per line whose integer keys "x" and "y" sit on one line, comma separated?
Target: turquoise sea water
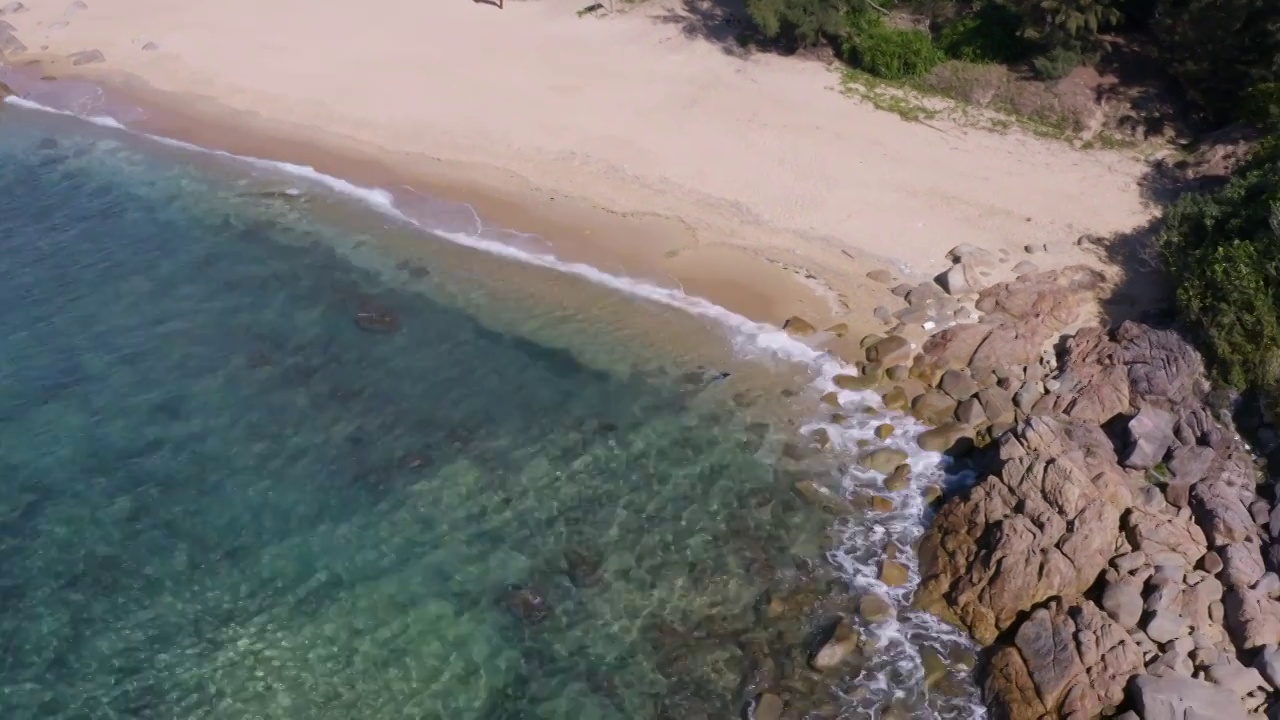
{"x": 250, "y": 467}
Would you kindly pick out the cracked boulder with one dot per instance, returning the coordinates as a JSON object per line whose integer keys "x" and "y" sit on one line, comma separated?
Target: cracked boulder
{"x": 1065, "y": 661}
{"x": 1037, "y": 528}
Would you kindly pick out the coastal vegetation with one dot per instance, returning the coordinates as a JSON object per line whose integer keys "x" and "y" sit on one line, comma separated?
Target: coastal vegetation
{"x": 1219, "y": 61}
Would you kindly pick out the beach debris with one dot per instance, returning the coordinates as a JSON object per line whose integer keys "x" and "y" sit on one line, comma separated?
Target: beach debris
{"x": 150, "y": 47}
{"x": 527, "y": 604}
{"x": 798, "y": 326}
{"x": 10, "y": 44}
{"x": 87, "y": 57}
{"x": 590, "y": 9}
{"x": 377, "y": 321}
{"x": 13, "y": 8}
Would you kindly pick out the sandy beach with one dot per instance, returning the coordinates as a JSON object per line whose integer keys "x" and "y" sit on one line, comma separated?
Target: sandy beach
{"x": 627, "y": 141}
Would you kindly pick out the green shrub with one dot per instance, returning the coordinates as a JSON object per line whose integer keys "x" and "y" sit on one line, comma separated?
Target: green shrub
{"x": 1057, "y": 63}
{"x": 989, "y": 35}
{"x": 798, "y": 23}
{"x": 1223, "y": 251}
{"x": 888, "y": 52}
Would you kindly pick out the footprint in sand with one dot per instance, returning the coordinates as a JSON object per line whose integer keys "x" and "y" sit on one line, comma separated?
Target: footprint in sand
{"x": 86, "y": 57}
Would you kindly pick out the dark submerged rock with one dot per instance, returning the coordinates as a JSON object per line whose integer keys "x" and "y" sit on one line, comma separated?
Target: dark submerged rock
{"x": 527, "y": 604}
{"x": 379, "y": 321}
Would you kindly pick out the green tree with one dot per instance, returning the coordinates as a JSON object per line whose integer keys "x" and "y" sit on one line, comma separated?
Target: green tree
{"x": 799, "y": 23}
{"x": 1059, "y": 23}
{"x": 1226, "y": 55}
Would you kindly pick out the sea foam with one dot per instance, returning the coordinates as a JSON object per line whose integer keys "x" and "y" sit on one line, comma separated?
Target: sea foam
{"x": 896, "y": 671}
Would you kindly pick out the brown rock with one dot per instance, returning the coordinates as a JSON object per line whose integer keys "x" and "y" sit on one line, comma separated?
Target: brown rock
{"x": 893, "y": 573}
{"x": 958, "y": 384}
{"x": 798, "y": 326}
{"x": 1038, "y": 528}
{"x": 997, "y": 404}
{"x": 895, "y": 398}
{"x": 874, "y": 608}
{"x": 944, "y": 438}
{"x": 971, "y": 413}
{"x": 1065, "y": 662}
{"x": 893, "y": 350}
{"x": 883, "y": 460}
{"x": 884, "y": 430}
{"x": 854, "y": 382}
{"x": 933, "y": 408}
{"x": 899, "y": 479}
{"x": 1155, "y": 531}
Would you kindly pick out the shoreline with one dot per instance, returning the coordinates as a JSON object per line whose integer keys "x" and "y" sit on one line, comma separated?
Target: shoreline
{"x": 748, "y": 181}
{"x": 640, "y": 246}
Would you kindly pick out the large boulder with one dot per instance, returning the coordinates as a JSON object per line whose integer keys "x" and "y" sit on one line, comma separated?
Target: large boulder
{"x": 1094, "y": 383}
{"x": 1038, "y": 527}
{"x": 1065, "y": 661}
{"x": 1164, "y": 535}
{"x": 1150, "y": 436}
{"x": 1172, "y": 697}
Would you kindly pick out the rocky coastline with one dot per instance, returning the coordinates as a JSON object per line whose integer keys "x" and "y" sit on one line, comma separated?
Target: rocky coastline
{"x": 1114, "y": 554}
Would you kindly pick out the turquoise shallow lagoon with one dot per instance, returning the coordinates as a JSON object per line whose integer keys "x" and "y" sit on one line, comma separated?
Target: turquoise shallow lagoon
{"x": 251, "y": 466}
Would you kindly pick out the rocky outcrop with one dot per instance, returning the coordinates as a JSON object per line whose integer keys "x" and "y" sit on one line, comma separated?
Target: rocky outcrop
{"x": 1041, "y": 526}
{"x": 1112, "y": 549}
{"x": 1065, "y": 661}
{"x": 1181, "y": 698}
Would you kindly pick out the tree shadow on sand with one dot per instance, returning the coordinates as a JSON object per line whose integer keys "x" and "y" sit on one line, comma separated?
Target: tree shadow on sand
{"x": 723, "y": 23}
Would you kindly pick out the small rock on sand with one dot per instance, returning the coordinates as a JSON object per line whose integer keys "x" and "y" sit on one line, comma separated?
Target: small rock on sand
{"x": 7, "y": 26}
{"x": 798, "y": 326}
{"x": 76, "y": 6}
{"x": 86, "y": 57}
{"x": 13, "y": 8}
{"x": 881, "y": 276}
{"x": 61, "y": 24}
{"x": 150, "y": 47}
{"x": 1026, "y": 267}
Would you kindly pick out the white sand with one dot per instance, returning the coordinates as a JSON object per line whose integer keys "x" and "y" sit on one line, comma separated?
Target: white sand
{"x": 758, "y": 158}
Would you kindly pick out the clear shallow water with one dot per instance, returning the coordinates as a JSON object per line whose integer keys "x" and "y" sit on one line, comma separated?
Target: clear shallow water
{"x": 222, "y": 498}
